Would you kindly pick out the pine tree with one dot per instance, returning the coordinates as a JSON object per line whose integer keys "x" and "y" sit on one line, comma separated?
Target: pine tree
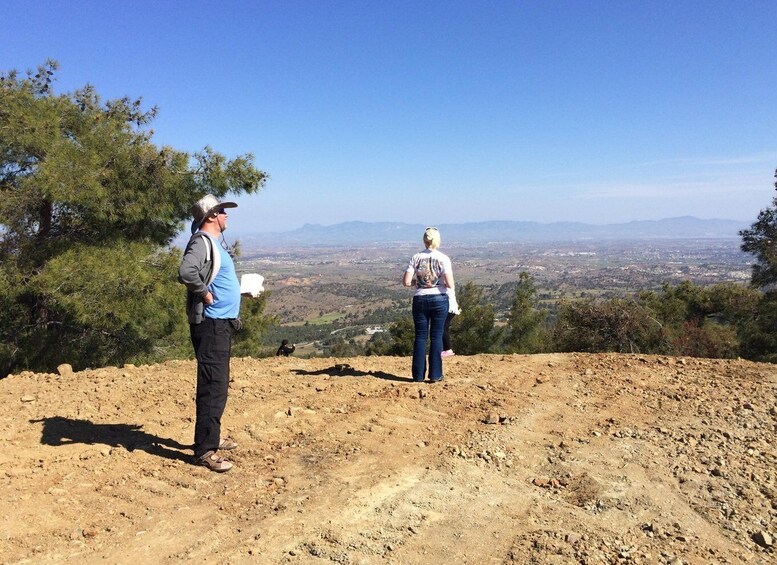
{"x": 761, "y": 241}
{"x": 525, "y": 324}
{"x": 473, "y": 331}
{"x": 88, "y": 212}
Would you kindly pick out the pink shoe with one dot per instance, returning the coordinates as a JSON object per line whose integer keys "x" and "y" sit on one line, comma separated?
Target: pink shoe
{"x": 447, "y": 353}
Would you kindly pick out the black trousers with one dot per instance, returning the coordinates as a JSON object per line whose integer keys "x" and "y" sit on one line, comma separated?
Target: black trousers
{"x": 446, "y": 332}
{"x": 212, "y": 341}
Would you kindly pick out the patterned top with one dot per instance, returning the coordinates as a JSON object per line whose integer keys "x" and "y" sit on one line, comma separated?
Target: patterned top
{"x": 428, "y": 268}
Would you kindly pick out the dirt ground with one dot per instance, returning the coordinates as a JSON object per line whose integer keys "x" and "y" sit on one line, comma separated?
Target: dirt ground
{"x": 511, "y": 459}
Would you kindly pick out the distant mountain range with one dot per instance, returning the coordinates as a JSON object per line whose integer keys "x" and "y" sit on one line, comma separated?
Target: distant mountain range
{"x": 365, "y": 233}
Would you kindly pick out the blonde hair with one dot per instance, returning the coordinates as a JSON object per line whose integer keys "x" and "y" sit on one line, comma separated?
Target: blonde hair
{"x": 432, "y": 238}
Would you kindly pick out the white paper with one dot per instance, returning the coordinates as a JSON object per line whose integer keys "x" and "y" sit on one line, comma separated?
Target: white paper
{"x": 252, "y": 284}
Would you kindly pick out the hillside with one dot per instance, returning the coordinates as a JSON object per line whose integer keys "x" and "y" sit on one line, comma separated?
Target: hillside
{"x": 512, "y": 459}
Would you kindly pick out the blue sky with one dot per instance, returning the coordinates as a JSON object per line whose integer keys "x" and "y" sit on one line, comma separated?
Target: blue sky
{"x": 442, "y": 111}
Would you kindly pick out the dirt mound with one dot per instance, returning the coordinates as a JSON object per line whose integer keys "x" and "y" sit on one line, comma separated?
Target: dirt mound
{"x": 511, "y": 459}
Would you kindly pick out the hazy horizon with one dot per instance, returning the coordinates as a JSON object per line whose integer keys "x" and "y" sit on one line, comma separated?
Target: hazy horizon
{"x": 478, "y": 233}
{"x": 236, "y": 227}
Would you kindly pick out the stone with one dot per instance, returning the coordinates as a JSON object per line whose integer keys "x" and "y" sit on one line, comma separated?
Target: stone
{"x": 764, "y": 539}
{"x": 492, "y": 418}
{"x": 65, "y": 369}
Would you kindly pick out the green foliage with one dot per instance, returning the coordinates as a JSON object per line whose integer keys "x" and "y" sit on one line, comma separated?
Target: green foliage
{"x": 249, "y": 342}
{"x": 687, "y": 319}
{"x": 707, "y": 339}
{"x": 341, "y": 347}
{"x": 399, "y": 340}
{"x": 379, "y": 344}
{"x": 89, "y": 207}
{"x": 473, "y": 331}
{"x": 761, "y": 241}
{"x": 103, "y": 305}
{"x": 675, "y": 305}
{"x": 525, "y": 325}
{"x": 704, "y": 321}
{"x": 613, "y": 325}
{"x": 402, "y": 335}
{"x": 757, "y": 334}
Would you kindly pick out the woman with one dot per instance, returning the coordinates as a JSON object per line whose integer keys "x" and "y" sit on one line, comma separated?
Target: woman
{"x": 431, "y": 274}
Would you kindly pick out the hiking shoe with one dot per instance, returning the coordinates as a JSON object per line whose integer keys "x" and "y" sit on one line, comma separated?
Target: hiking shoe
{"x": 447, "y": 353}
{"x": 226, "y": 444}
{"x": 214, "y": 462}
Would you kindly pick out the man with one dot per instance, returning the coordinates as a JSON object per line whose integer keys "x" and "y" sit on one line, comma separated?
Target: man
{"x": 213, "y": 309}
{"x": 285, "y": 349}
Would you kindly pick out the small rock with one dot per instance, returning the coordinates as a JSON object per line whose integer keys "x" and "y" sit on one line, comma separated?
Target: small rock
{"x": 28, "y": 398}
{"x": 492, "y": 418}
{"x": 572, "y": 538}
{"x": 65, "y": 369}
{"x": 541, "y": 482}
{"x": 764, "y": 539}
{"x": 89, "y": 533}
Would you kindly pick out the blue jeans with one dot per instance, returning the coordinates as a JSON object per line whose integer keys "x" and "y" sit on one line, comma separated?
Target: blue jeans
{"x": 429, "y": 313}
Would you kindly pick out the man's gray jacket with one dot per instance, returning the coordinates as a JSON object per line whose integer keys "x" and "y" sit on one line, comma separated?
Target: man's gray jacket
{"x": 199, "y": 266}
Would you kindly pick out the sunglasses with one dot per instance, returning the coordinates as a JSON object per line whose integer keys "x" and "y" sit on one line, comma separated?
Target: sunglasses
{"x": 220, "y": 211}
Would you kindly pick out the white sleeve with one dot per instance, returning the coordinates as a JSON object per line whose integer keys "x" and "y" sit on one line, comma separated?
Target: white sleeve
{"x": 453, "y": 305}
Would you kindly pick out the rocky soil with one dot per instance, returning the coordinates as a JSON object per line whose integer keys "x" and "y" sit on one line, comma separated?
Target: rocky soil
{"x": 511, "y": 459}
